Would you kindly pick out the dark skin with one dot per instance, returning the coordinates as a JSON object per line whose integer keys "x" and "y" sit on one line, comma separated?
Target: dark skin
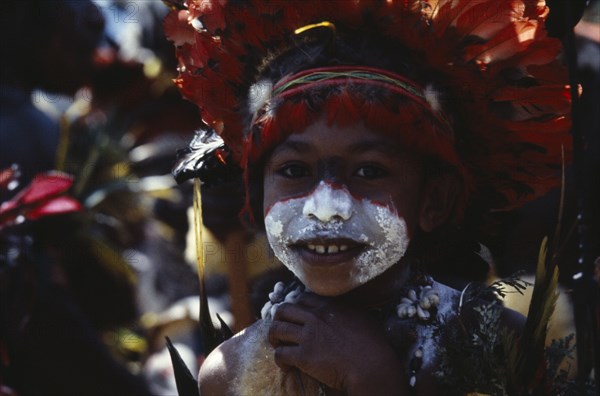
{"x": 333, "y": 337}
{"x": 324, "y": 337}
{"x": 369, "y": 165}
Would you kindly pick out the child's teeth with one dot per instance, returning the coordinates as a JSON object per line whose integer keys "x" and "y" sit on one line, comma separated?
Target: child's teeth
{"x": 327, "y": 249}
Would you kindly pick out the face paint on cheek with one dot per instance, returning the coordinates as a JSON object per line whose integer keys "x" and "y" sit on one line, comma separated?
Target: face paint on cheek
{"x": 388, "y": 240}
{"x": 377, "y": 229}
{"x": 279, "y": 226}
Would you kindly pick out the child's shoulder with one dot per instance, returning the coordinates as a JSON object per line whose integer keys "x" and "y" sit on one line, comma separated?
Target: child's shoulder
{"x": 223, "y": 366}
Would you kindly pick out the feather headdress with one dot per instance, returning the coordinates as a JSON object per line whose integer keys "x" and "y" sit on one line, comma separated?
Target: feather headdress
{"x": 496, "y": 61}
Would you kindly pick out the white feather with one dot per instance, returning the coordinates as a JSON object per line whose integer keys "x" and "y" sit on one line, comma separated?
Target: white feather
{"x": 432, "y": 96}
{"x": 259, "y": 94}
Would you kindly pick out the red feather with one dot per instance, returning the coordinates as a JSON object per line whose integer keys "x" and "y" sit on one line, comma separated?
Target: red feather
{"x": 535, "y": 102}
{"x": 43, "y": 196}
{"x": 486, "y": 20}
{"x": 44, "y": 186}
{"x": 55, "y": 206}
{"x": 508, "y": 42}
{"x": 177, "y": 29}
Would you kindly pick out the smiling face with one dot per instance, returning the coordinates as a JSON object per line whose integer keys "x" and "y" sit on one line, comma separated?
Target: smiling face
{"x": 341, "y": 205}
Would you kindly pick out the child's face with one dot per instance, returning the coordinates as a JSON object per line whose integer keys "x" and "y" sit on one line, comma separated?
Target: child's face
{"x": 341, "y": 205}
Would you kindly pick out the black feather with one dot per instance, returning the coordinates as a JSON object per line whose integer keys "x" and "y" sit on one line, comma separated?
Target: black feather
{"x": 200, "y": 160}
{"x": 186, "y": 384}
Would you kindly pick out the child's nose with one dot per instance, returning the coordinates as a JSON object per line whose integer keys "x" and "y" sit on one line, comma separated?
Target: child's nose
{"x": 327, "y": 203}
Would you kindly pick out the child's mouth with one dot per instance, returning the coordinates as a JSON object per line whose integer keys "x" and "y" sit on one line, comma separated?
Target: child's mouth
{"x": 328, "y": 251}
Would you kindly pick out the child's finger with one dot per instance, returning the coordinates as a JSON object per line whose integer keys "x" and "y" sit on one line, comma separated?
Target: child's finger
{"x": 284, "y": 333}
{"x": 287, "y": 356}
{"x": 292, "y": 313}
{"x": 311, "y": 300}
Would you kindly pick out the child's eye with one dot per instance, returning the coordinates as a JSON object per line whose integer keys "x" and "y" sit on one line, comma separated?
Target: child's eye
{"x": 293, "y": 171}
{"x": 370, "y": 172}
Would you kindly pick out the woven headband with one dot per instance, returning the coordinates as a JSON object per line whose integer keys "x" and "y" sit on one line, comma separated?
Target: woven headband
{"x": 361, "y": 75}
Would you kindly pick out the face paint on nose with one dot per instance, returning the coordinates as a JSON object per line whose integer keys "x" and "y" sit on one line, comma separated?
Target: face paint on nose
{"x": 327, "y": 204}
{"x": 334, "y": 242}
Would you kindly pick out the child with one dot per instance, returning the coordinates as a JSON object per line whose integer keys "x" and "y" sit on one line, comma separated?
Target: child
{"x": 364, "y": 137}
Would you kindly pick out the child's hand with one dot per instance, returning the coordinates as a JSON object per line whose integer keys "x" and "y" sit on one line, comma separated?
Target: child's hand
{"x": 338, "y": 345}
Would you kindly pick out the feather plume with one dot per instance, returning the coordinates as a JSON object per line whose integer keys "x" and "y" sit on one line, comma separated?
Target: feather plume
{"x": 433, "y": 98}
{"x": 211, "y": 335}
{"x": 186, "y": 384}
{"x": 258, "y": 94}
{"x": 512, "y": 39}
{"x": 540, "y": 52}
{"x": 535, "y": 102}
{"x": 179, "y": 33}
{"x": 486, "y": 20}
{"x": 526, "y": 356}
{"x": 232, "y": 39}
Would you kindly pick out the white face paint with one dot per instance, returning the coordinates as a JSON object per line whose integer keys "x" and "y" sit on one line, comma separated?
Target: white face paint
{"x": 337, "y": 232}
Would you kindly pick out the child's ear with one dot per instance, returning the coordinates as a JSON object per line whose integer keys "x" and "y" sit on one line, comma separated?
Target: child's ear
{"x": 438, "y": 200}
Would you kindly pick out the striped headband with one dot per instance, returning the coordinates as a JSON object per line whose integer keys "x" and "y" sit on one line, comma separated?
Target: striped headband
{"x": 342, "y": 75}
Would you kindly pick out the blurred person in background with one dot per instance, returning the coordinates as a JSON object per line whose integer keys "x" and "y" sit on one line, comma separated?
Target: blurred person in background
{"x": 47, "y": 45}
{"x": 64, "y": 287}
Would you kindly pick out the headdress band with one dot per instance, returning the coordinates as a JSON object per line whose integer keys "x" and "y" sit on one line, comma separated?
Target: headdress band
{"x": 336, "y": 75}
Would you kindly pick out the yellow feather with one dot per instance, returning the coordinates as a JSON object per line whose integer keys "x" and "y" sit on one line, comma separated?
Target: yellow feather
{"x": 198, "y": 230}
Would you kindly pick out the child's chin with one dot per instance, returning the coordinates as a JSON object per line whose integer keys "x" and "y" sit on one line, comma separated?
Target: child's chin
{"x": 330, "y": 289}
